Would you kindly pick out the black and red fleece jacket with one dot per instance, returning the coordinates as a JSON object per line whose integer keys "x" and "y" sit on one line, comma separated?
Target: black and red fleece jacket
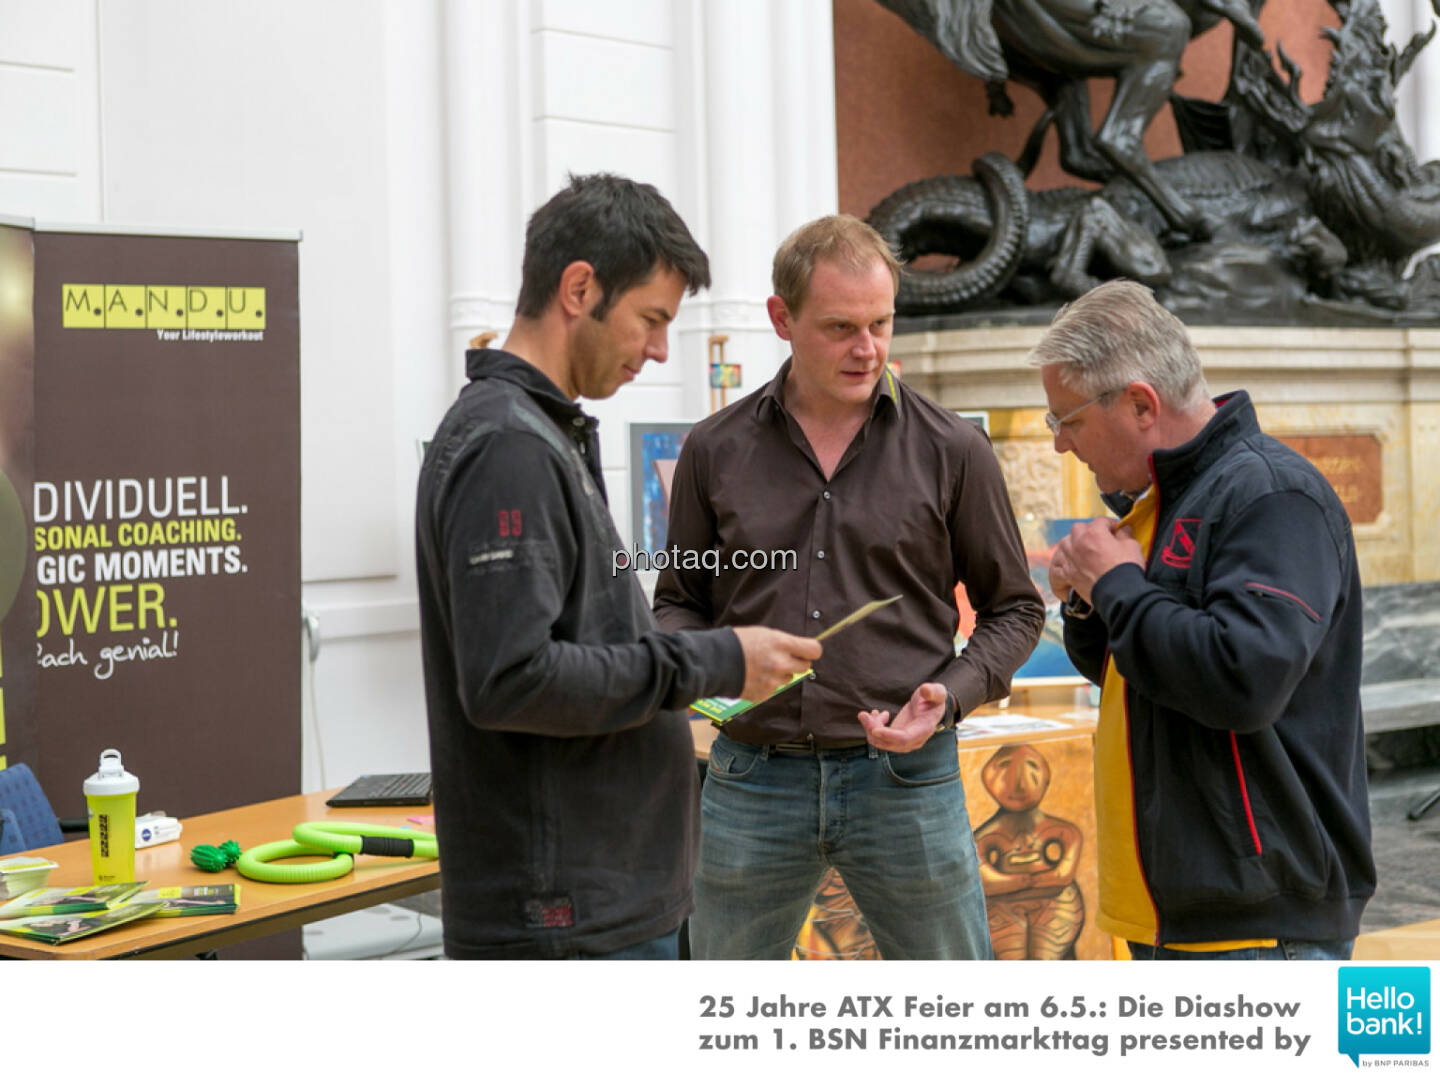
{"x": 1240, "y": 645}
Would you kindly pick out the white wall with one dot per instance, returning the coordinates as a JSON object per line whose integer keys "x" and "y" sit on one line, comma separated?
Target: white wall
{"x": 409, "y": 140}
{"x": 49, "y": 149}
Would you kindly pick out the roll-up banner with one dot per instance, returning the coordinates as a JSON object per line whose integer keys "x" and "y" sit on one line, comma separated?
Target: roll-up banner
{"x": 17, "y": 459}
{"x": 162, "y": 502}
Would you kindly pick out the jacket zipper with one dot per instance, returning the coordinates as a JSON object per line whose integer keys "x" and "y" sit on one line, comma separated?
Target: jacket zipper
{"x": 1280, "y": 594}
{"x": 1125, "y": 696}
{"x": 1245, "y": 794}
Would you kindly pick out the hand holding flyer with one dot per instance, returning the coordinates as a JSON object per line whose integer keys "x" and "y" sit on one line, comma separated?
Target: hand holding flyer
{"x": 721, "y": 710}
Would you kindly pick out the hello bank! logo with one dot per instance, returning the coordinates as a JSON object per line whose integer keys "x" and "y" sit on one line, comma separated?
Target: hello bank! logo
{"x": 1385, "y": 1011}
{"x": 174, "y": 307}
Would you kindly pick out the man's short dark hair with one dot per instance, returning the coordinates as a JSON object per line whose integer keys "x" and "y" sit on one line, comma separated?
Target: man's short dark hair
{"x": 622, "y": 228}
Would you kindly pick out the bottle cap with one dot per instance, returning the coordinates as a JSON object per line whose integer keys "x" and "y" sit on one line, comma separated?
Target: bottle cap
{"x": 112, "y": 779}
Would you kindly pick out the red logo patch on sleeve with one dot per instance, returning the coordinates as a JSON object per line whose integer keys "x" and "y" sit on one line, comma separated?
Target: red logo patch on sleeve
{"x": 511, "y": 523}
{"x": 1181, "y": 547}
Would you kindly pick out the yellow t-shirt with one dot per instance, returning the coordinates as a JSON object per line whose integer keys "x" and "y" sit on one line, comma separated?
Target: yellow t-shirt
{"x": 1127, "y": 908}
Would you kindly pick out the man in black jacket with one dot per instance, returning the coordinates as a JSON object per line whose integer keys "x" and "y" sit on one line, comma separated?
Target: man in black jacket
{"x": 1222, "y": 618}
{"x": 564, "y": 772}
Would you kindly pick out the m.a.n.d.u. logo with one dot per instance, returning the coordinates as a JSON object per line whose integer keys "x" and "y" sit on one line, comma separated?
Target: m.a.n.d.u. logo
{"x": 140, "y": 305}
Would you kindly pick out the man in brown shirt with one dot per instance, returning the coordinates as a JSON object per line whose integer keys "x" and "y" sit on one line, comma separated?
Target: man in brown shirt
{"x": 879, "y": 492}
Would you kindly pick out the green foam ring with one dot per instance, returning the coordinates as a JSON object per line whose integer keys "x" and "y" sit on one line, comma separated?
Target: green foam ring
{"x": 321, "y": 838}
{"x": 350, "y": 837}
{"x": 255, "y": 863}
{"x": 343, "y": 840}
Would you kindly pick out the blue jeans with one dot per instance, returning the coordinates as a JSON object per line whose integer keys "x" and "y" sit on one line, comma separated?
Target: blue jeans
{"x": 661, "y": 948}
{"x": 1284, "y": 950}
{"x": 892, "y": 824}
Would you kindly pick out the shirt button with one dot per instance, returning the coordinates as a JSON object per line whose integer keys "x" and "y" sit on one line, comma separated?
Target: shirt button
{"x": 819, "y": 555}
{"x": 814, "y": 614}
{"x": 825, "y": 495}
{"x": 578, "y": 422}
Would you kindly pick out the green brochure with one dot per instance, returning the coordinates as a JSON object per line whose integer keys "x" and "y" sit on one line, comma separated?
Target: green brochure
{"x": 721, "y": 710}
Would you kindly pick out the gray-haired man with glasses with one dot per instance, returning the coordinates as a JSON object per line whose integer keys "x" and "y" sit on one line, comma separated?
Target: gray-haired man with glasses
{"x": 1055, "y": 424}
{"x": 1221, "y": 615}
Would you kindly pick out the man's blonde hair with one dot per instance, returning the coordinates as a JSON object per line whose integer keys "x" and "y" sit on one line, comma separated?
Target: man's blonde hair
{"x": 845, "y": 239}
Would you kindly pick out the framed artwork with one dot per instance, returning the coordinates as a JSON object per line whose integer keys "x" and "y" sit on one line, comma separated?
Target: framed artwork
{"x": 1049, "y": 660}
{"x": 654, "y": 450}
{"x": 1032, "y": 806}
{"x": 979, "y": 418}
{"x": 1030, "y": 798}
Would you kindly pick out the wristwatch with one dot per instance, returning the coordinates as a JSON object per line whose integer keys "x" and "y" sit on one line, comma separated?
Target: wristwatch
{"x": 952, "y": 709}
{"x": 1076, "y": 607}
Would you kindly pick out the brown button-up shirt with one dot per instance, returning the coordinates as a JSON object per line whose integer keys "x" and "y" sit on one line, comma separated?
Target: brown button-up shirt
{"x": 916, "y": 504}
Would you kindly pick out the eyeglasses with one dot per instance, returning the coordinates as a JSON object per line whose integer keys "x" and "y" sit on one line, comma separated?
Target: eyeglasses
{"x": 1055, "y": 424}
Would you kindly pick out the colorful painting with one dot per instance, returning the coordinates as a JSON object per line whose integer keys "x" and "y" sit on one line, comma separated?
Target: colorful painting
{"x": 654, "y": 450}
{"x": 1049, "y": 659}
{"x": 834, "y": 930}
{"x": 724, "y": 376}
{"x": 1029, "y": 862}
{"x": 1030, "y": 803}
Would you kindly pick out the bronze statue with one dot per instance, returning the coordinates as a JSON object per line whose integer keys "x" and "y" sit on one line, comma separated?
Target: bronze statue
{"x": 1053, "y": 46}
{"x": 1304, "y": 208}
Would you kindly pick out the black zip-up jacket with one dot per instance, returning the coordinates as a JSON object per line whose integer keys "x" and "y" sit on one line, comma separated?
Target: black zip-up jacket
{"x": 564, "y": 772}
{"x": 1240, "y": 646}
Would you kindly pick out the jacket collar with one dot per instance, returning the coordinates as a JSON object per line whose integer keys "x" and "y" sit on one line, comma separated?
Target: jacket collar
{"x": 1235, "y": 420}
{"x": 493, "y": 364}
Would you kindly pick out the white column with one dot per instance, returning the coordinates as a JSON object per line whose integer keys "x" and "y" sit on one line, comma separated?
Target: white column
{"x": 488, "y": 167}
{"x": 1414, "y": 96}
{"x": 1402, "y": 18}
{"x": 757, "y": 97}
{"x": 1423, "y": 116}
{"x": 807, "y": 183}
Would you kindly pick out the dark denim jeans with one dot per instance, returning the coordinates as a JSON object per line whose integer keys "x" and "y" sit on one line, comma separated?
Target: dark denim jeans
{"x": 661, "y": 948}
{"x": 1284, "y": 950}
{"x": 892, "y": 824}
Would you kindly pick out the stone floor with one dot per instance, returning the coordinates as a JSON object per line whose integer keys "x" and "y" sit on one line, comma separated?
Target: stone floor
{"x": 1407, "y": 852}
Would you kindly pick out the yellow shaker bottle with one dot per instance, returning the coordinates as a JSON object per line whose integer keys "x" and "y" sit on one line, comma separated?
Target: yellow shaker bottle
{"x": 110, "y": 799}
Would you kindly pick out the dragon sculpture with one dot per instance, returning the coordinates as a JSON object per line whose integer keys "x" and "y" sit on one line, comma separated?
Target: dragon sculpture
{"x": 1317, "y": 207}
{"x": 1053, "y": 46}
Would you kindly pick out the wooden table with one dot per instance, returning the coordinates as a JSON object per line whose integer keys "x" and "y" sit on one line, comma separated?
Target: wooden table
{"x": 265, "y": 908}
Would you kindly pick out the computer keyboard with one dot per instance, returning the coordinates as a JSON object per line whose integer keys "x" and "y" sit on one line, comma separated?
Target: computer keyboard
{"x": 412, "y": 788}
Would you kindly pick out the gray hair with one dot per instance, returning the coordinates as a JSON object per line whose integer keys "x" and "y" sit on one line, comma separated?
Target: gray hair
{"x": 1117, "y": 334}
